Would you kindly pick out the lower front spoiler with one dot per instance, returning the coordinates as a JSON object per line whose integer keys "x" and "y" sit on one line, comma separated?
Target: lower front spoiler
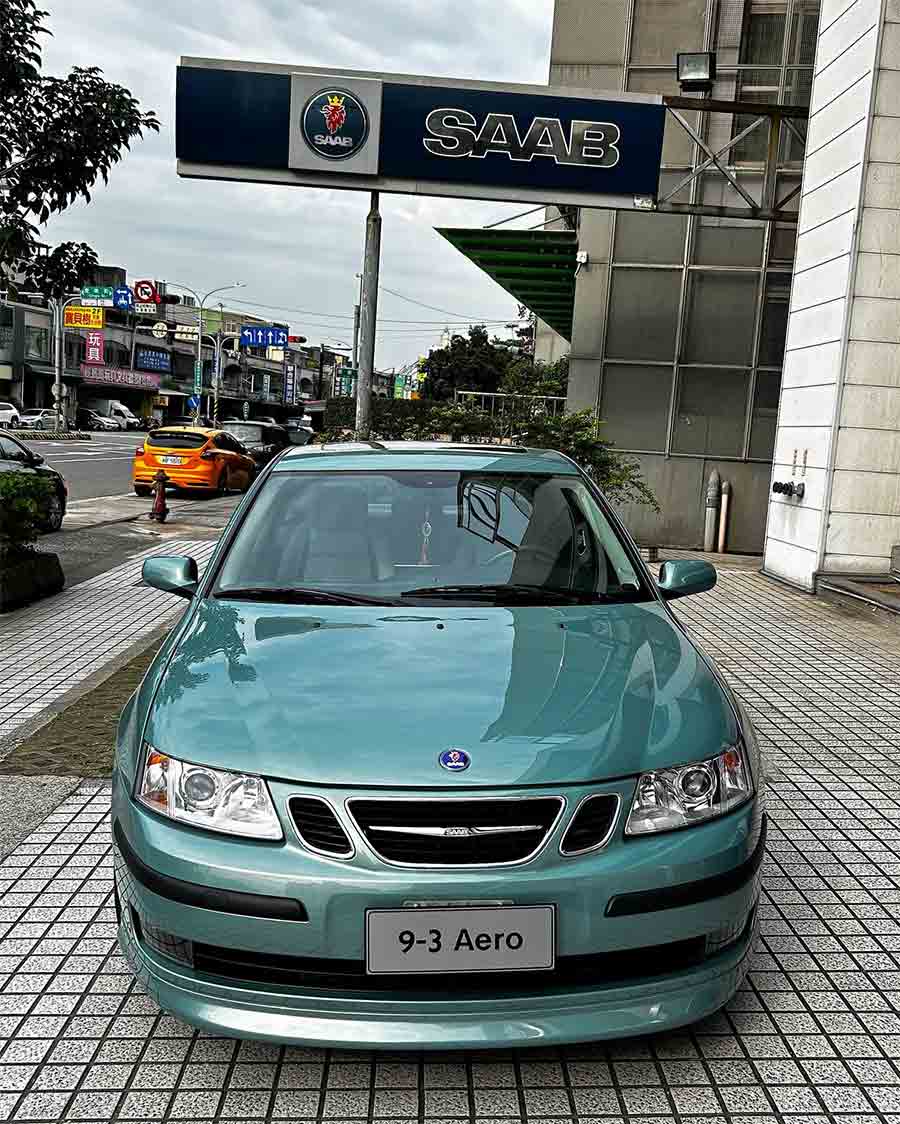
{"x": 359, "y": 1021}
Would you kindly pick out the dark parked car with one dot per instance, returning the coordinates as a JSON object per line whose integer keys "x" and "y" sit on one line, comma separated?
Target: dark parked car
{"x": 90, "y": 419}
{"x": 16, "y": 457}
{"x": 262, "y": 441}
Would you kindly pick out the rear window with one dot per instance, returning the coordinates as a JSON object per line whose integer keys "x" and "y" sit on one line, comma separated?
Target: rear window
{"x": 167, "y": 439}
{"x": 245, "y": 431}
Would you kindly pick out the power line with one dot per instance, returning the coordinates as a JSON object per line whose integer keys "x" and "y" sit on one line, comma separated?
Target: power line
{"x": 381, "y": 320}
{"x": 433, "y": 307}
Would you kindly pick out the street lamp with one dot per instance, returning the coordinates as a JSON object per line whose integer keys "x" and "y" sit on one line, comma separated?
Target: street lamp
{"x": 201, "y": 301}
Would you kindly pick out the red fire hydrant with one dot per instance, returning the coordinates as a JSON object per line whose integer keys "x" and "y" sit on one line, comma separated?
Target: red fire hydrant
{"x": 159, "y": 511}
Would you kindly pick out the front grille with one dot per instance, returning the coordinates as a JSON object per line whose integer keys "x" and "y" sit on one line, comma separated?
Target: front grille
{"x": 318, "y": 826}
{"x": 574, "y": 972}
{"x": 591, "y": 825}
{"x": 449, "y": 832}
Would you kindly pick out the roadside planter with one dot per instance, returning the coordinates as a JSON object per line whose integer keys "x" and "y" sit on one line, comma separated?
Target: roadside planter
{"x": 26, "y": 574}
{"x": 50, "y": 434}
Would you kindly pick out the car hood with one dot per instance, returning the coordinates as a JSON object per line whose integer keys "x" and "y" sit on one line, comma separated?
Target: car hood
{"x": 369, "y": 696}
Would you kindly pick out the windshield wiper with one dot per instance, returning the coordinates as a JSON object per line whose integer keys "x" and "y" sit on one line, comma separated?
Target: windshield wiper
{"x": 295, "y": 595}
{"x": 498, "y": 594}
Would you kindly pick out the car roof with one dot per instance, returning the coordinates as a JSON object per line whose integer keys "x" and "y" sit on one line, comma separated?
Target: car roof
{"x": 208, "y": 430}
{"x": 427, "y": 455}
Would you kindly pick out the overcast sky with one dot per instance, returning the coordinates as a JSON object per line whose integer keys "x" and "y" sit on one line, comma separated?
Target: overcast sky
{"x": 295, "y": 247}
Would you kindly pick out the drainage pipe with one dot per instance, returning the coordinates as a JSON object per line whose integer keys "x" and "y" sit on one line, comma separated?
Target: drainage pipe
{"x": 723, "y": 515}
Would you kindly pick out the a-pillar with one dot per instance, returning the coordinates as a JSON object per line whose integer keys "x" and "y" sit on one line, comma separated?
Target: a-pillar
{"x": 839, "y": 416}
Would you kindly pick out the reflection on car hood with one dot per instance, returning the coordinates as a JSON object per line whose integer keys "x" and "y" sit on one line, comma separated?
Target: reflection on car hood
{"x": 372, "y": 696}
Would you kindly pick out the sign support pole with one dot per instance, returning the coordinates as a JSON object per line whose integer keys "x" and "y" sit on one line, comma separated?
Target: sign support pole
{"x": 368, "y": 319}
{"x": 58, "y": 346}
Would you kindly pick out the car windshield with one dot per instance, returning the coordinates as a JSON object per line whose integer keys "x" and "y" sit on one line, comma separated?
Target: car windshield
{"x": 172, "y": 439}
{"x": 245, "y": 431}
{"x": 407, "y": 537}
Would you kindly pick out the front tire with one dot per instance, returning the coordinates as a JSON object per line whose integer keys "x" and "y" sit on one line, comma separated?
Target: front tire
{"x": 38, "y": 425}
{"x": 55, "y": 514}
{"x": 142, "y": 490}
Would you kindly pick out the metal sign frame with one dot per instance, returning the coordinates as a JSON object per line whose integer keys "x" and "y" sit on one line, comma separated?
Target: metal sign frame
{"x": 779, "y": 121}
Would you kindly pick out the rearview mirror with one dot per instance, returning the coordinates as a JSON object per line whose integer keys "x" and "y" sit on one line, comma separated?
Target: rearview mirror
{"x": 176, "y": 574}
{"x": 684, "y": 577}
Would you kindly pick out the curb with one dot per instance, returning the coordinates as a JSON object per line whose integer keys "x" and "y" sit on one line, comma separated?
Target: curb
{"x": 50, "y": 434}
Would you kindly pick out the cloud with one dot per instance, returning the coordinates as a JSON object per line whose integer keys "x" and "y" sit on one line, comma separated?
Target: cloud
{"x": 295, "y": 248}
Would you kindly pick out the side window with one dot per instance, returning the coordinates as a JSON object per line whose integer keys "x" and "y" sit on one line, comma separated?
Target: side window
{"x": 220, "y": 441}
{"x": 9, "y": 450}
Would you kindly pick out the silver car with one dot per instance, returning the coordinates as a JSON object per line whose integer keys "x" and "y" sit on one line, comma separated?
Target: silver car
{"x": 38, "y": 419}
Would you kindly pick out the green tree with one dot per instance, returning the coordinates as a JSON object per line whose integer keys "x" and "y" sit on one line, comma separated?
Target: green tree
{"x": 529, "y": 376}
{"x": 473, "y": 362}
{"x": 57, "y": 137}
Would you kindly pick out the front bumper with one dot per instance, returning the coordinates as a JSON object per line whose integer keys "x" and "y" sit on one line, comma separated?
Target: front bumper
{"x": 188, "y": 931}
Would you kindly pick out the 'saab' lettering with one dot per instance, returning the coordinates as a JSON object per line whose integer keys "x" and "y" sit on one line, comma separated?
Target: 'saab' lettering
{"x": 455, "y": 133}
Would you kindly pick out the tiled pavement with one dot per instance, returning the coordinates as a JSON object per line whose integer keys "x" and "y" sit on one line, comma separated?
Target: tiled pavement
{"x": 52, "y": 646}
{"x": 813, "y": 1038}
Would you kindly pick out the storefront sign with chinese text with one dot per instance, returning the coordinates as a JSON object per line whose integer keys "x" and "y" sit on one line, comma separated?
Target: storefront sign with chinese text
{"x": 93, "y": 349}
{"x": 78, "y": 316}
{"x": 115, "y": 376}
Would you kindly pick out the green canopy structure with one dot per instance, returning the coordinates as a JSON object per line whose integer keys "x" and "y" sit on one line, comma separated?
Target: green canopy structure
{"x": 537, "y": 267}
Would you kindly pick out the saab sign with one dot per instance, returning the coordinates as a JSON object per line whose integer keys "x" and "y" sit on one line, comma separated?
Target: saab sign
{"x": 425, "y": 136}
{"x": 455, "y": 133}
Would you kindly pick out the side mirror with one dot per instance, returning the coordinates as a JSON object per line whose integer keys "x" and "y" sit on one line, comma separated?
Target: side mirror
{"x": 684, "y": 577}
{"x": 176, "y": 574}
{"x": 35, "y": 458}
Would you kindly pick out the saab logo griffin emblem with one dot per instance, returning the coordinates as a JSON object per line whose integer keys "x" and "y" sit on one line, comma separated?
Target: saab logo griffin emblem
{"x": 455, "y": 760}
{"x": 455, "y": 133}
{"x": 335, "y": 124}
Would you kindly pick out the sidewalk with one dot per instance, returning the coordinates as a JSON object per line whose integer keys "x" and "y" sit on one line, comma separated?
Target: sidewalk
{"x": 813, "y": 1037}
{"x": 50, "y": 648}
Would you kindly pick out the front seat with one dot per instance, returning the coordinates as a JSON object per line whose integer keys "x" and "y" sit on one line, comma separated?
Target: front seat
{"x": 340, "y": 538}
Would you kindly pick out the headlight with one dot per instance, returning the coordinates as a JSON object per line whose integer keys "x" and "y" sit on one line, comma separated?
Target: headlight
{"x": 233, "y": 803}
{"x": 673, "y": 798}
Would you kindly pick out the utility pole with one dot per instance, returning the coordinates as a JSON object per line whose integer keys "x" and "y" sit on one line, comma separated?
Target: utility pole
{"x": 356, "y": 326}
{"x": 58, "y": 306}
{"x": 368, "y": 320}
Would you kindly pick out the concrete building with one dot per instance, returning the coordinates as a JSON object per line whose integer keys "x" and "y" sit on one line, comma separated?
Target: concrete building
{"x": 767, "y": 351}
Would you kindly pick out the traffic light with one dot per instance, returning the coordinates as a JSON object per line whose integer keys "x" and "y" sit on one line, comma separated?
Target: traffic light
{"x": 169, "y": 298}
{"x": 296, "y": 339}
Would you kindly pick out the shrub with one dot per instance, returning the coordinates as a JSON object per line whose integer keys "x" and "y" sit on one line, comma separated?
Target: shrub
{"x": 23, "y": 505}
{"x": 523, "y": 421}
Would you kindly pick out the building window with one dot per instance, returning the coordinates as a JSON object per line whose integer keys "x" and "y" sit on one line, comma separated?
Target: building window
{"x": 710, "y": 412}
{"x": 763, "y": 38}
{"x": 643, "y": 314}
{"x": 765, "y": 415}
{"x": 635, "y": 406}
{"x": 774, "y": 319}
{"x": 720, "y": 318}
{"x": 651, "y": 239}
{"x": 37, "y": 343}
{"x": 661, "y": 28}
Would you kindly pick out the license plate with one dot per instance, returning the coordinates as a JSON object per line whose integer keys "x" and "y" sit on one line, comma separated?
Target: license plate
{"x": 477, "y": 939}
{"x": 170, "y": 460}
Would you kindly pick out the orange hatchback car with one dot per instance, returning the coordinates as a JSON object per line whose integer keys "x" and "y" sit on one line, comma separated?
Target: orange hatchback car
{"x": 193, "y": 457}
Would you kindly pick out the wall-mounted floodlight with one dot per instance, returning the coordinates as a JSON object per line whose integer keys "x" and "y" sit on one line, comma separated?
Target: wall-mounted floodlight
{"x": 696, "y": 71}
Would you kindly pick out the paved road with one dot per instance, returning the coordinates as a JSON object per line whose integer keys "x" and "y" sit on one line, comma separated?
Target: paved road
{"x": 100, "y": 467}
